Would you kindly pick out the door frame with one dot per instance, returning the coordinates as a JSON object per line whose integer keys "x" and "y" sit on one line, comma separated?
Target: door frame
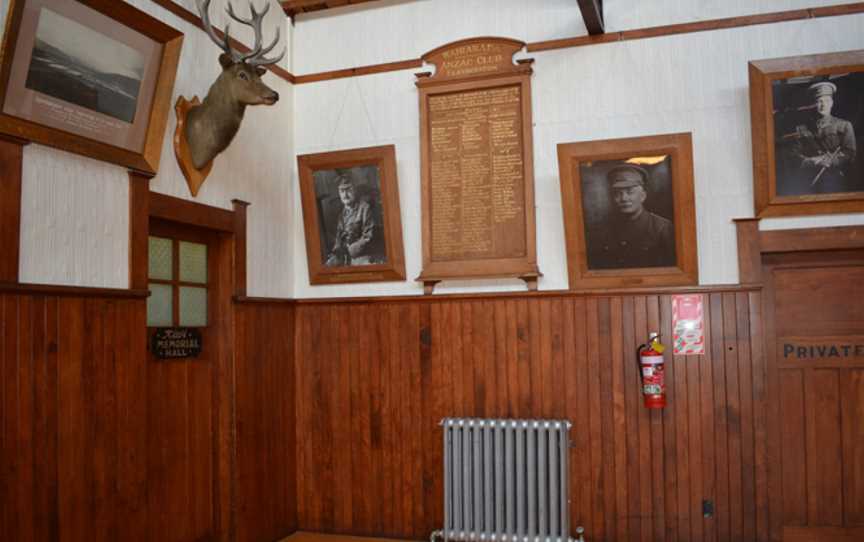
{"x": 229, "y": 230}
{"x": 799, "y": 248}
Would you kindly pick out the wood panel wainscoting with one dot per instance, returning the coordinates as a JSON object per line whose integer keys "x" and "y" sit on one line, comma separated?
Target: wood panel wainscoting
{"x": 375, "y": 377}
{"x": 75, "y": 449}
{"x": 814, "y": 336}
{"x": 98, "y": 441}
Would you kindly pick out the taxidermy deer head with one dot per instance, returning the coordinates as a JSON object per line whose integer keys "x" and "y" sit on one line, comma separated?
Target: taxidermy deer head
{"x": 209, "y": 127}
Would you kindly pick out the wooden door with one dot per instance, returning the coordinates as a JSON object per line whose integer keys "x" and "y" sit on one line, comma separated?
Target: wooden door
{"x": 182, "y": 392}
{"x": 815, "y": 333}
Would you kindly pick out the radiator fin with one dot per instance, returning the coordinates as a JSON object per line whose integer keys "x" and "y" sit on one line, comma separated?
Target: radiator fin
{"x": 506, "y": 480}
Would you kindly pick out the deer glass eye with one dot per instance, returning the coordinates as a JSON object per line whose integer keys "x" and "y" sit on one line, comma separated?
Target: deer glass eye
{"x": 243, "y": 76}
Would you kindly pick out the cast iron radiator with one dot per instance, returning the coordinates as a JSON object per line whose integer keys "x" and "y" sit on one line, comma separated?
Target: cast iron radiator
{"x": 505, "y": 480}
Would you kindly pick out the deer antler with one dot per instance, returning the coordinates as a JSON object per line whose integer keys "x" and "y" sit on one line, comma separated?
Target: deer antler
{"x": 255, "y": 57}
{"x": 223, "y": 42}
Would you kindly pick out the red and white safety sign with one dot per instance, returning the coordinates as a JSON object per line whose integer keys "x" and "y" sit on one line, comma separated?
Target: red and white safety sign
{"x": 688, "y": 325}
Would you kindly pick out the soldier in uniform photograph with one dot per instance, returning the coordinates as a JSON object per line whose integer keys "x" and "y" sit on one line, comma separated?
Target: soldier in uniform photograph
{"x": 822, "y": 149}
{"x": 357, "y": 231}
{"x": 631, "y": 236}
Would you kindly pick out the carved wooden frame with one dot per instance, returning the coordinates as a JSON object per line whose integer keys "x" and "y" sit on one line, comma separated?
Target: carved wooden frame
{"x": 384, "y": 158}
{"x": 147, "y": 160}
{"x": 763, "y": 73}
{"x": 679, "y": 148}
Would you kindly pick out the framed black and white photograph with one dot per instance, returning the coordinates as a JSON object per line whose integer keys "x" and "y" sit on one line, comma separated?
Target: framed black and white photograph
{"x": 351, "y": 215}
{"x": 808, "y": 123}
{"x": 629, "y": 212}
{"x": 89, "y": 76}
{"x": 81, "y": 66}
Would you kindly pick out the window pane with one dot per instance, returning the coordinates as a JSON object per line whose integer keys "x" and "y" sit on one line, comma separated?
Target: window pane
{"x": 193, "y": 306}
{"x": 193, "y": 262}
{"x": 159, "y": 258}
{"x": 159, "y": 306}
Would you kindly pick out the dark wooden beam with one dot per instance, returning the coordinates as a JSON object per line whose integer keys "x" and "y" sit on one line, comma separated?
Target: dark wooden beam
{"x": 592, "y": 13}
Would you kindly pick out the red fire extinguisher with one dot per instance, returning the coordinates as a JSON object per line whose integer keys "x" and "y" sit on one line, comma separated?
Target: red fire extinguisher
{"x": 652, "y": 370}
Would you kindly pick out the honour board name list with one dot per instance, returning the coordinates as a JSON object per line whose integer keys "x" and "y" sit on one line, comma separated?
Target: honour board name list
{"x": 477, "y": 187}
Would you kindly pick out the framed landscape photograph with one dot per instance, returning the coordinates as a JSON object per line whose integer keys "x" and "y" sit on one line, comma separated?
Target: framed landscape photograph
{"x": 807, "y": 116}
{"x": 351, "y": 215}
{"x": 93, "y": 77}
{"x": 629, "y": 214}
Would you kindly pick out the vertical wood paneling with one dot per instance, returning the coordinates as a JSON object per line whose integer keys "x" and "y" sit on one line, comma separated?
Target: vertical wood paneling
{"x": 746, "y": 417}
{"x": 824, "y": 448}
{"x": 72, "y": 460}
{"x": 852, "y": 401}
{"x": 794, "y": 448}
{"x": 74, "y": 446}
{"x": 635, "y": 474}
{"x": 265, "y": 493}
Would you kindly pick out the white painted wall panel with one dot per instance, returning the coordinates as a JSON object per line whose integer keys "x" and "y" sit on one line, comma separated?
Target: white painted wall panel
{"x": 687, "y": 83}
{"x": 74, "y": 220}
{"x": 394, "y": 30}
{"x": 75, "y": 216}
{"x": 391, "y": 30}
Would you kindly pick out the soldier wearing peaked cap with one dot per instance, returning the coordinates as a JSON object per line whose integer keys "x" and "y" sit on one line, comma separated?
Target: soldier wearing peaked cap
{"x": 632, "y": 236}
{"x": 824, "y": 147}
{"x": 358, "y": 232}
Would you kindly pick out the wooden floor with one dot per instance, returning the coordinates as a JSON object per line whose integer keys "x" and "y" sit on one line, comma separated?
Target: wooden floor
{"x": 317, "y": 537}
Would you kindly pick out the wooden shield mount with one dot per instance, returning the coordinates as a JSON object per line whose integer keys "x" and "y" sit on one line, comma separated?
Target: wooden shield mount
{"x": 194, "y": 177}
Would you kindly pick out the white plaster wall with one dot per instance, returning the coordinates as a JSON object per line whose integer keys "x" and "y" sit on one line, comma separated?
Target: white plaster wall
{"x": 689, "y": 83}
{"x": 75, "y": 210}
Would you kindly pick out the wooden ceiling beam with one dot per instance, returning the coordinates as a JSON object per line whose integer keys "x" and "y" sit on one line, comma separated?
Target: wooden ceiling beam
{"x": 592, "y": 14}
{"x": 293, "y": 7}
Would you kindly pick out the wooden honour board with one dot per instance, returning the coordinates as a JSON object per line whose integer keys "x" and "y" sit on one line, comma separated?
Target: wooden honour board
{"x": 477, "y": 165}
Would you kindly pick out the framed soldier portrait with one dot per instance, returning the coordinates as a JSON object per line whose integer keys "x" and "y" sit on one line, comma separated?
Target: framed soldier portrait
{"x": 807, "y": 116}
{"x": 351, "y": 215}
{"x": 629, "y": 214}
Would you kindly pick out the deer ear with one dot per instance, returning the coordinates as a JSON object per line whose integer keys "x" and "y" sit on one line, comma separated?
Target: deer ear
{"x": 225, "y": 60}
{"x": 260, "y": 71}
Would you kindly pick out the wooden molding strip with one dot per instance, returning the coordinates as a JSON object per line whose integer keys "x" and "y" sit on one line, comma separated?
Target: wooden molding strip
{"x": 242, "y": 299}
{"x": 76, "y": 291}
{"x": 702, "y": 26}
{"x": 194, "y": 20}
{"x": 807, "y": 239}
{"x": 537, "y": 294}
{"x": 362, "y": 70}
{"x": 625, "y": 35}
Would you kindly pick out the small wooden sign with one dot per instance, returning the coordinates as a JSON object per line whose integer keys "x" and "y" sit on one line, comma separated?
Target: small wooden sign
{"x": 176, "y": 342}
{"x": 477, "y": 168}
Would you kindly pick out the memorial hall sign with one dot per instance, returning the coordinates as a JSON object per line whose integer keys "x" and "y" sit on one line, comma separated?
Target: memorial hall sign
{"x": 477, "y": 169}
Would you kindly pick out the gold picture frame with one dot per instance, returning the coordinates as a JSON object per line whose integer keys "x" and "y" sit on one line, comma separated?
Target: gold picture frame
{"x": 615, "y": 242}
{"x": 92, "y": 77}
{"x": 351, "y": 215}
